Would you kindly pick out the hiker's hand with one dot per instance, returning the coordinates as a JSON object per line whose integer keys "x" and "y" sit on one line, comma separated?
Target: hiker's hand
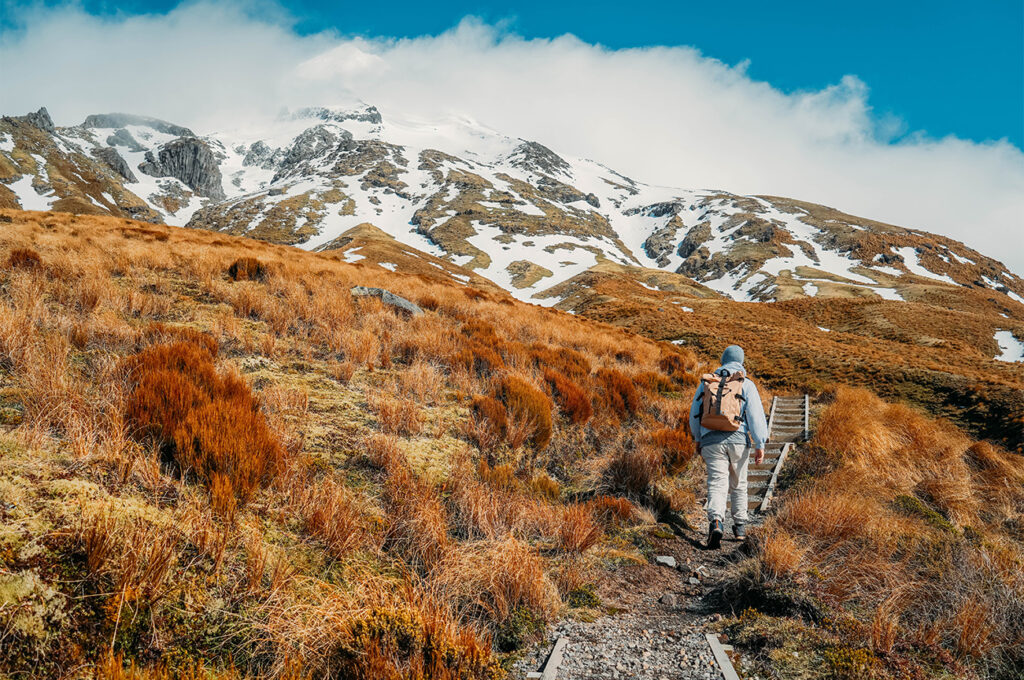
{"x": 758, "y": 456}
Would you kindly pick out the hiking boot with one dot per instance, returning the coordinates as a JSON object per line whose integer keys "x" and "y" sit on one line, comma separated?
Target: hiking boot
{"x": 740, "y": 531}
{"x": 715, "y": 535}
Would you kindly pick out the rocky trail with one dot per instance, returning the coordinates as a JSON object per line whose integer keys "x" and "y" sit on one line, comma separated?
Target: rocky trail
{"x": 658, "y": 613}
{"x": 660, "y": 617}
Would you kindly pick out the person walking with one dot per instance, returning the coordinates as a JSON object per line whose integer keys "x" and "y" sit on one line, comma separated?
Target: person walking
{"x": 727, "y": 422}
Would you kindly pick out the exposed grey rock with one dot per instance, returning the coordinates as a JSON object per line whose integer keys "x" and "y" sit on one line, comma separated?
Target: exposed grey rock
{"x": 40, "y": 119}
{"x": 367, "y": 114}
{"x": 190, "y": 160}
{"x": 693, "y": 581}
{"x": 115, "y": 162}
{"x": 316, "y": 142}
{"x": 388, "y": 298}
{"x": 124, "y": 138}
{"x": 261, "y": 155}
{"x": 665, "y": 561}
{"x": 668, "y": 599}
{"x": 119, "y": 120}
{"x": 593, "y": 200}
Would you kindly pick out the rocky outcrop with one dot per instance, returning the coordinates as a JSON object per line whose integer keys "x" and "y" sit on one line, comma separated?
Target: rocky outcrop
{"x": 190, "y": 160}
{"x": 316, "y": 142}
{"x": 120, "y": 120}
{"x": 124, "y": 138}
{"x": 113, "y": 160}
{"x": 538, "y": 158}
{"x": 388, "y": 298}
{"x": 367, "y": 114}
{"x": 262, "y": 156}
{"x": 40, "y": 119}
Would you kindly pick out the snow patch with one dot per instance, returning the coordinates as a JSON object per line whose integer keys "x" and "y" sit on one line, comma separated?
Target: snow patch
{"x": 6, "y": 144}
{"x": 388, "y": 265}
{"x": 1011, "y": 349}
{"x": 910, "y": 259}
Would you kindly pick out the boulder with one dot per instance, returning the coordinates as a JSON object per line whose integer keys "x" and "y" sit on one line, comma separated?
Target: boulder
{"x": 388, "y": 298}
{"x": 665, "y": 561}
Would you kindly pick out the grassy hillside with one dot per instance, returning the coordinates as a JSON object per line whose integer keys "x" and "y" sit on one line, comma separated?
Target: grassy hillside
{"x": 215, "y": 459}
{"x": 215, "y": 462}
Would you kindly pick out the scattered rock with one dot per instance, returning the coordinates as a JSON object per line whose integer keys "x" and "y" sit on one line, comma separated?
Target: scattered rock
{"x": 666, "y": 561}
{"x": 694, "y": 581}
{"x": 668, "y": 599}
{"x": 388, "y": 298}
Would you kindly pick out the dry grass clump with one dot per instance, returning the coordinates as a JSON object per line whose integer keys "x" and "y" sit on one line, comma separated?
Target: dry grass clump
{"x": 528, "y": 405}
{"x": 396, "y": 416}
{"x": 572, "y": 399}
{"x": 207, "y": 420}
{"x": 633, "y": 468}
{"x": 906, "y": 528}
{"x": 247, "y": 269}
{"x": 619, "y": 392}
{"x": 24, "y": 258}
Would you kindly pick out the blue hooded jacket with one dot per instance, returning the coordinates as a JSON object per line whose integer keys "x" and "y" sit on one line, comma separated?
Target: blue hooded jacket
{"x": 754, "y": 428}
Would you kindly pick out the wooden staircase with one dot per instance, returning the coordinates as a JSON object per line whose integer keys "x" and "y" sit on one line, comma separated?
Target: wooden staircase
{"x": 788, "y": 424}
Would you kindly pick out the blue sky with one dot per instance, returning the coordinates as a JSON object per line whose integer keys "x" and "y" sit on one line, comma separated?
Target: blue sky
{"x": 944, "y": 67}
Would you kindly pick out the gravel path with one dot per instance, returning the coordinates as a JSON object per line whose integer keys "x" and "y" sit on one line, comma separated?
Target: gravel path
{"x": 657, "y": 632}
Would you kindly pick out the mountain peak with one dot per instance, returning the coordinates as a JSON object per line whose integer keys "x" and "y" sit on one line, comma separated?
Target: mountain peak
{"x": 120, "y": 120}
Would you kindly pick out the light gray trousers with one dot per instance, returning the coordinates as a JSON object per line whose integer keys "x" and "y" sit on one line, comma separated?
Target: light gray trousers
{"x": 727, "y": 478}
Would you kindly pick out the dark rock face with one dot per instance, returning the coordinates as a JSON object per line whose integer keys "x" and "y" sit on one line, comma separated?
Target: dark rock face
{"x": 40, "y": 119}
{"x": 261, "y": 155}
{"x": 659, "y": 245}
{"x": 124, "y": 138}
{"x": 115, "y": 162}
{"x": 189, "y": 160}
{"x": 313, "y": 143}
{"x": 119, "y": 120}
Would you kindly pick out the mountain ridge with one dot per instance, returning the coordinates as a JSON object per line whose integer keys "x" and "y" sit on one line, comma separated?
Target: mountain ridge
{"x": 491, "y": 203}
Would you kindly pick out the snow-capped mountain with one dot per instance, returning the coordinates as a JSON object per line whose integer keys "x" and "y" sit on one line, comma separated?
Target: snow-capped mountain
{"x": 511, "y": 210}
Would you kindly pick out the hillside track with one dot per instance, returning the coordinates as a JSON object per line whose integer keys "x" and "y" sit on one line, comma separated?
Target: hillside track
{"x": 657, "y": 616}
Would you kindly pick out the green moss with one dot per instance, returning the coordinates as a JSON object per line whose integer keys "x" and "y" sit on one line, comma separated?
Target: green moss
{"x": 521, "y": 627}
{"x": 848, "y": 663}
{"x": 584, "y": 596}
{"x": 911, "y": 505}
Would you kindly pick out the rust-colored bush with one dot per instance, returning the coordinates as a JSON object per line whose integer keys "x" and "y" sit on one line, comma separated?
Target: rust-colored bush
{"x": 162, "y": 333}
{"x": 619, "y": 392}
{"x": 612, "y": 510}
{"x": 677, "y": 447}
{"x": 572, "y": 399}
{"x": 633, "y": 469}
{"x": 207, "y": 420}
{"x": 653, "y": 382}
{"x": 490, "y": 422}
{"x": 562, "y": 359}
{"x": 577, "y": 529}
{"x": 528, "y": 404}
{"x": 247, "y": 269}
{"x": 24, "y": 258}
{"x": 545, "y": 486}
{"x": 499, "y": 476}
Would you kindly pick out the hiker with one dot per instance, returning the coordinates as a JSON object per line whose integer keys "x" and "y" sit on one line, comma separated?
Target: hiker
{"x": 727, "y": 421}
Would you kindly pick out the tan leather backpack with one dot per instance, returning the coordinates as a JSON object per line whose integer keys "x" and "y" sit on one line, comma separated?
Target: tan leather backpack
{"x": 722, "y": 401}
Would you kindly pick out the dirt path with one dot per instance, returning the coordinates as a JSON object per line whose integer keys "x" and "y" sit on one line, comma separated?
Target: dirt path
{"x": 658, "y": 629}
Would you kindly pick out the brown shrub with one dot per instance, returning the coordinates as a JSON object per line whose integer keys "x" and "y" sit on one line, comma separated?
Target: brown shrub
{"x": 633, "y": 469}
{"x": 499, "y": 476}
{"x": 653, "y": 382}
{"x": 208, "y": 421}
{"x": 612, "y": 510}
{"x": 24, "y": 258}
{"x": 677, "y": 448}
{"x": 561, "y": 359}
{"x": 247, "y": 269}
{"x": 577, "y": 529}
{"x": 572, "y": 399}
{"x": 489, "y": 425}
{"x": 619, "y": 393}
{"x": 529, "y": 405}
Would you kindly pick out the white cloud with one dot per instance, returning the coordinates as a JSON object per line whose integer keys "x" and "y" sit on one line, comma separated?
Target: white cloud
{"x": 665, "y": 115}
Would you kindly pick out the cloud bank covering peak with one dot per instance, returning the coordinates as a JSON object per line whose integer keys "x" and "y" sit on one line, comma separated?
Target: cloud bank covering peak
{"x": 663, "y": 115}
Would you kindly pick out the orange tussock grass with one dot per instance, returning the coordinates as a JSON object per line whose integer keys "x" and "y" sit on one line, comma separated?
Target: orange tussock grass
{"x": 528, "y": 405}
{"x": 573, "y": 400}
{"x": 632, "y": 469}
{"x": 677, "y": 447}
{"x": 494, "y": 595}
{"x": 563, "y": 360}
{"x": 619, "y": 392}
{"x": 577, "y": 529}
{"x": 489, "y": 425}
{"x": 612, "y": 510}
{"x": 417, "y": 520}
{"x": 331, "y": 513}
{"x": 208, "y": 420}
{"x": 247, "y": 269}
{"x": 396, "y": 416}
{"x": 24, "y": 258}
